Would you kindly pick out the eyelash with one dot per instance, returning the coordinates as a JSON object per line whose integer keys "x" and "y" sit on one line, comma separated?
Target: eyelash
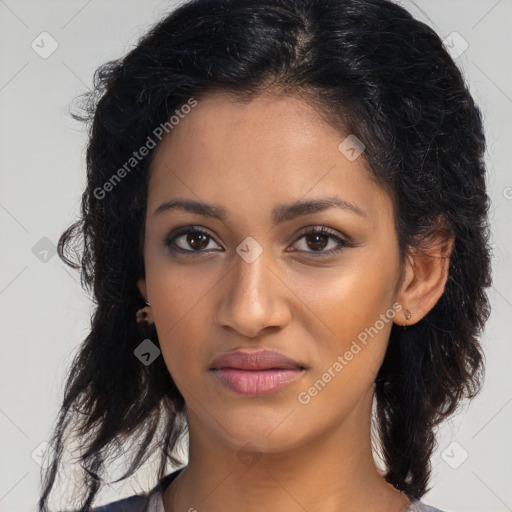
{"x": 322, "y": 230}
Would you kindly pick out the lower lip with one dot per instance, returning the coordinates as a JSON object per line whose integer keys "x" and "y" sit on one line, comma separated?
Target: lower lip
{"x": 256, "y": 382}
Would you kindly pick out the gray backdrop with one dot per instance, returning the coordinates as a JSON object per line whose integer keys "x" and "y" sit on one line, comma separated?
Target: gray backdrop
{"x": 49, "y": 51}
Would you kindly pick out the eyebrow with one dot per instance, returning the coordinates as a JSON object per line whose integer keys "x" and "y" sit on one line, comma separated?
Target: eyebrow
{"x": 281, "y": 213}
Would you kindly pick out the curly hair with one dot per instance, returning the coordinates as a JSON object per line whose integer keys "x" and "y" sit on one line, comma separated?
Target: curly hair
{"x": 373, "y": 71}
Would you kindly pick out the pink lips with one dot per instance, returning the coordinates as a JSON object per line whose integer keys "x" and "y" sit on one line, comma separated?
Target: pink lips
{"x": 256, "y": 373}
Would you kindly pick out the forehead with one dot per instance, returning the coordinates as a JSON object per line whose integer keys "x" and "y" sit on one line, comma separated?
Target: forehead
{"x": 275, "y": 148}
{"x": 222, "y": 124}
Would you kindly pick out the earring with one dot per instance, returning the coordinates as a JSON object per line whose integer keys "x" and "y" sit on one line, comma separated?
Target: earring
{"x": 143, "y": 314}
{"x": 408, "y": 316}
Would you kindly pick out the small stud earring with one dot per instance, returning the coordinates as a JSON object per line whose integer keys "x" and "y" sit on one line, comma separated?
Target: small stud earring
{"x": 143, "y": 314}
{"x": 408, "y": 314}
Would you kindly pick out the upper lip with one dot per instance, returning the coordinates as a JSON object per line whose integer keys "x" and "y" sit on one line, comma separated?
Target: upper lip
{"x": 260, "y": 360}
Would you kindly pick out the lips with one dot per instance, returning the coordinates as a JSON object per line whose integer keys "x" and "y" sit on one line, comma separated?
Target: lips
{"x": 256, "y": 373}
{"x": 259, "y": 360}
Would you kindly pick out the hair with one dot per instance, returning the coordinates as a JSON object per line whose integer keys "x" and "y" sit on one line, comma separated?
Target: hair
{"x": 373, "y": 71}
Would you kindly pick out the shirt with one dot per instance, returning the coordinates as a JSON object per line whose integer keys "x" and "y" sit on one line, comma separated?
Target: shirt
{"x": 153, "y": 500}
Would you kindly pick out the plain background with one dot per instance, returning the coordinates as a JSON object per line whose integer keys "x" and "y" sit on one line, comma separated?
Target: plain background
{"x": 45, "y": 313}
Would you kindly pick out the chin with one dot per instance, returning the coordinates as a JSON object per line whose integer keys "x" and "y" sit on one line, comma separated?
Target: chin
{"x": 262, "y": 435}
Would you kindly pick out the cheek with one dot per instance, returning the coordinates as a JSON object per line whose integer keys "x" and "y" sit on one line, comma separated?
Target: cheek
{"x": 348, "y": 299}
{"x": 179, "y": 291}
{"x": 181, "y": 315}
{"x": 354, "y": 307}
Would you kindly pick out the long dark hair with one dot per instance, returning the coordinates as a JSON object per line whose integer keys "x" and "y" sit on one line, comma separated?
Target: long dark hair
{"x": 373, "y": 71}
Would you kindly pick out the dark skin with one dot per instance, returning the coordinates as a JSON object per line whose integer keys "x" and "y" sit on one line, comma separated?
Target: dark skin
{"x": 248, "y": 158}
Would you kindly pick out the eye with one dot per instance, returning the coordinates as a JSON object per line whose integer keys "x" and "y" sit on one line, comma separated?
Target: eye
{"x": 190, "y": 240}
{"x": 317, "y": 239}
{"x": 196, "y": 240}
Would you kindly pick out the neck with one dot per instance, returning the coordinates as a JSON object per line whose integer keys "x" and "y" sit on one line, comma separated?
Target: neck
{"x": 334, "y": 472}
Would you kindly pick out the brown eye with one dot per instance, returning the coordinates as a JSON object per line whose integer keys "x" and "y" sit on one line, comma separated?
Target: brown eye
{"x": 316, "y": 240}
{"x": 197, "y": 241}
{"x": 189, "y": 240}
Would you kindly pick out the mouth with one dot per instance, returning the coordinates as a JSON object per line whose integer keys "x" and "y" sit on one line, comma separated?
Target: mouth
{"x": 256, "y": 372}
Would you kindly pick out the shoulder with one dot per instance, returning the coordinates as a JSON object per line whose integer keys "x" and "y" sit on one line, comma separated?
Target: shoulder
{"x": 136, "y": 503}
{"x": 149, "y": 502}
{"x": 419, "y": 506}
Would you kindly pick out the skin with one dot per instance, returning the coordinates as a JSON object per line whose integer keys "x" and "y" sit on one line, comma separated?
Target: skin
{"x": 249, "y": 158}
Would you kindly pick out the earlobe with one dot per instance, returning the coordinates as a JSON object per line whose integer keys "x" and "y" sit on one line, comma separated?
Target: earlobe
{"x": 425, "y": 278}
{"x": 404, "y": 316}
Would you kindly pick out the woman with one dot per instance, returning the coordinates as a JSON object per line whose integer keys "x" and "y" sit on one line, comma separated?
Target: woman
{"x": 285, "y": 232}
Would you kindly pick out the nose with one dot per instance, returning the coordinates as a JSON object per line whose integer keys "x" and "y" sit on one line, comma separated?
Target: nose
{"x": 254, "y": 297}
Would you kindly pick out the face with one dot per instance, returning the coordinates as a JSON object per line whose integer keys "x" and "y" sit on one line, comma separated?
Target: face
{"x": 258, "y": 276}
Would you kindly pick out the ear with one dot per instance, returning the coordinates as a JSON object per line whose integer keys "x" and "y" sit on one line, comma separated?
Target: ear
{"x": 425, "y": 275}
{"x": 141, "y": 285}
